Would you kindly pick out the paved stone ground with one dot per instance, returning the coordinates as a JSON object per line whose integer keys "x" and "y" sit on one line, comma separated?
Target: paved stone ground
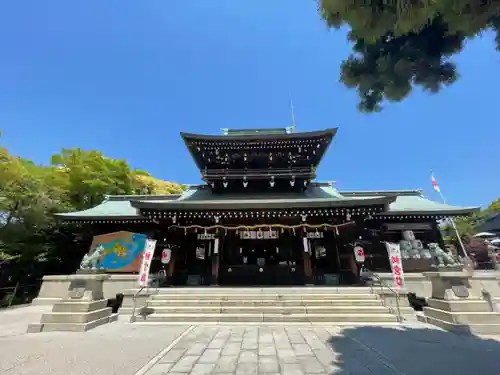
{"x": 362, "y": 350}
{"x": 117, "y": 348}
{"x": 121, "y": 348}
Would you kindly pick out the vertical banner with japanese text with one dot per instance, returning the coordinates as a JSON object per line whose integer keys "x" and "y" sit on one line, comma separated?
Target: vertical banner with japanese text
{"x": 147, "y": 258}
{"x": 394, "y": 253}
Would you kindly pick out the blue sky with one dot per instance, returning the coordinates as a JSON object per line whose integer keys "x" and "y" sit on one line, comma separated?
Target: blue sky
{"x": 126, "y": 77}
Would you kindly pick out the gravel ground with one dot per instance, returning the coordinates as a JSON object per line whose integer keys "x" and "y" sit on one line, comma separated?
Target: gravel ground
{"x": 117, "y": 348}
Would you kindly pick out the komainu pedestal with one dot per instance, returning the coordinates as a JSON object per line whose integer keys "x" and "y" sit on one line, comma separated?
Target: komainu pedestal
{"x": 83, "y": 308}
{"x": 455, "y": 307}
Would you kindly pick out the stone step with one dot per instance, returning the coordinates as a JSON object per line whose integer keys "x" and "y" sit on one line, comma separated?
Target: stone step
{"x": 79, "y": 306}
{"x": 468, "y": 305}
{"x": 283, "y": 310}
{"x": 263, "y": 297}
{"x": 272, "y": 324}
{"x": 270, "y": 290}
{"x": 463, "y": 317}
{"x": 478, "y": 329}
{"x": 75, "y": 317}
{"x": 298, "y": 302}
{"x": 70, "y": 327}
{"x": 264, "y": 317}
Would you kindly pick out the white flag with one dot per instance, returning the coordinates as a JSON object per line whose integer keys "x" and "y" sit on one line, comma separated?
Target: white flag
{"x": 435, "y": 184}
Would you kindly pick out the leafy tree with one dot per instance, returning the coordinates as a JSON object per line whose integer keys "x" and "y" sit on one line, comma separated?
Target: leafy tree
{"x": 147, "y": 184}
{"x": 400, "y": 44}
{"x": 466, "y": 226}
{"x": 494, "y": 207}
{"x": 30, "y": 237}
{"x": 27, "y": 206}
{"x": 89, "y": 175}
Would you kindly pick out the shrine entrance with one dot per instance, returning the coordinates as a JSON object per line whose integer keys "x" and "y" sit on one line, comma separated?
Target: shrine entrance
{"x": 261, "y": 258}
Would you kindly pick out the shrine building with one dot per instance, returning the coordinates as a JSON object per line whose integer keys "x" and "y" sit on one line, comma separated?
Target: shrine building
{"x": 260, "y": 218}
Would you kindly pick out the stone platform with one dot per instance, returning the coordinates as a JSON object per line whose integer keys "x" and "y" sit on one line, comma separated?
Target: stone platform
{"x": 457, "y": 307}
{"x": 84, "y": 307}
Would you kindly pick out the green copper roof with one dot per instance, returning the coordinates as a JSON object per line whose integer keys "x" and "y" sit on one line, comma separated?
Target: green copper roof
{"x": 419, "y": 205}
{"x": 114, "y": 207}
{"x": 251, "y": 135}
{"x": 317, "y": 195}
{"x": 245, "y": 132}
{"x": 413, "y": 202}
{"x": 106, "y": 210}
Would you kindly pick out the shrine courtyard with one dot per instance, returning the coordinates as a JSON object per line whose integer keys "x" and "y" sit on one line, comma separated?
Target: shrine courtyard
{"x": 128, "y": 349}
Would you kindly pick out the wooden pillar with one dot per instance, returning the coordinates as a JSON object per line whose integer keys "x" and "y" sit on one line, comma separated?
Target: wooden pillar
{"x": 307, "y": 260}
{"x": 215, "y": 262}
{"x": 437, "y": 235}
{"x": 171, "y": 264}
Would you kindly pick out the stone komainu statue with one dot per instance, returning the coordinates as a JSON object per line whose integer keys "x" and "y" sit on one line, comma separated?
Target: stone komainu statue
{"x": 442, "y": 257}
{"x": 93, "y": 260}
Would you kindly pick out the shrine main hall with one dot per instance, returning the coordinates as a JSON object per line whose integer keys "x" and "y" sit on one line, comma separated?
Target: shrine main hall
{"x": 261, "y": 218}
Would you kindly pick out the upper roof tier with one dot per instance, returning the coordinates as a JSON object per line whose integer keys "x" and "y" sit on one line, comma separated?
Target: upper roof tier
{"x": 247, "y": 132}
{"x": 258, "y": 149}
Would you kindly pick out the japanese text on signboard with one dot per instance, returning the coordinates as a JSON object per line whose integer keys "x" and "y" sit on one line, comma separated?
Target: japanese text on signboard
{"x": 147, "y": 258}
{"x": 394, "y": 253}
{"x": 359, "y": 254}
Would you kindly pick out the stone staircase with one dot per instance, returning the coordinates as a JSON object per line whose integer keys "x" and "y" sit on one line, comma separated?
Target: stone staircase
{"x": 466, "y": 316}
{"x": 308, "y": 305}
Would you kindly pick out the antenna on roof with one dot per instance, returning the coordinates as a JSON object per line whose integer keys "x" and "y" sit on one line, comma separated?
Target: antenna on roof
{"x": 292, "y": 112}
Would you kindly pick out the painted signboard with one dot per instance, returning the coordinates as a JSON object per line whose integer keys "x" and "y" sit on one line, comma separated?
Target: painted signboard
{"x": 122, "y": 251}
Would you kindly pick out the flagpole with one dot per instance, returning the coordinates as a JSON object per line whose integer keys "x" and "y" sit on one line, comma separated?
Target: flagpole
{"x": 452, "y": 222}
{"x": 292, "y": 113}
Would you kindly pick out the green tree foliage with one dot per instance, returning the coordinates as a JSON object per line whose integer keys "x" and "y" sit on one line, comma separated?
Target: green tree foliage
{"x": 30, "y": 194}
{"x": 146, "y": 184}
{"x": 89, "y": 176}
{"x": 466, "y": 226}
{"x": 494, "y": 207}
{"x": 400, "y": 44}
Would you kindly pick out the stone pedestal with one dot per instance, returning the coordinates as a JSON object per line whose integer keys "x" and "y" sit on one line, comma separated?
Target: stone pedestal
{"x": 83, "y": 308}
{"x": 456, "y": 306}
{"x": 55, "y": 287}
{"x": 450, "y": 285}
{"x": 140, "y": 300}
{"x": 393, "y": 301}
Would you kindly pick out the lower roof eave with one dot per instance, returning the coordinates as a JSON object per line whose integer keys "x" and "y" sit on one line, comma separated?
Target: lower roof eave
{"x": 64, "y": 217}
{"x": 260, "y": 205}
{"x": 464, "y": 212}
